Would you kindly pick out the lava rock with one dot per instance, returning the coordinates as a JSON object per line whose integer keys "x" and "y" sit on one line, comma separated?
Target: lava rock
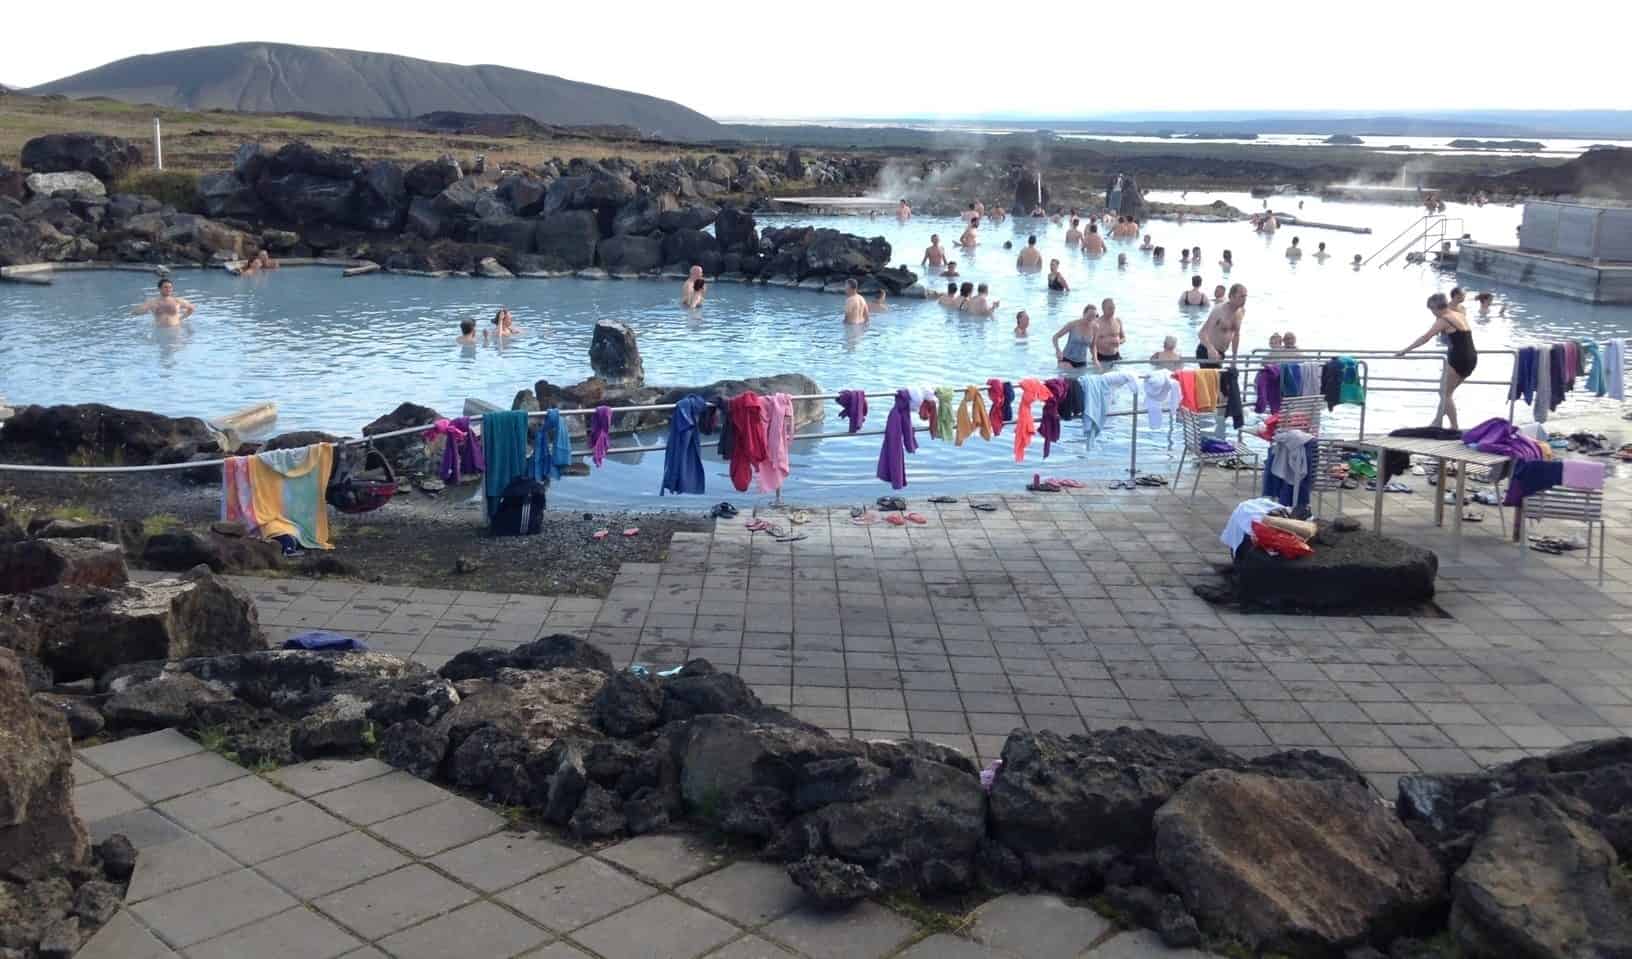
{"x": 180, "y": 550}
{"x": 225, "y": 195}
{"x": 567, "y": 240}
{"x": 614, "y": 354}
{"x": 118, "y": 857}
{"x": 629, "y": 254}
{"x": 1347, "y": 571}
{"x": 430, "y": 177}
{"x": 831, "y": 883}
{"x": 414, "y": 747}
{"x": 96, "y": 901}
{"x": 598, "y": 815}
{"x": 1541, "y": 884}
{"x": 1330, "y": 867}
{"x": 255, "y": 736}
{"x": 60, "y": 939}
{"x": 38, "y": 563}
{"x": 82, "y": 718}
{"x": 627, "y": 705}
{"x": 97, "y": 434}
{"x": 735, "y": 229}
{"x": 38, "y": 825}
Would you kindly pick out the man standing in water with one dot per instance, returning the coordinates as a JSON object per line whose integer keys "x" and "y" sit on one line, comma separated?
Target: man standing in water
{"x": 167, "y": 308}
{"x": 1107, "y": 336}
{"x": 934, "y": 256}
{"x": 855, "y": 307}
{"x": 1030, "y": 259}
{"x": 971, "y": 234}
{"x": 690, "y": 284}
{"x": 1092, "y": 243}
{"x": 903, "y": 212}
{"x": 1222, "y": 331}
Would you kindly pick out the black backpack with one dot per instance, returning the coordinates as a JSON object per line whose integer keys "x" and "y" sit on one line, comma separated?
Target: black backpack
{"x": 524, "y": 496}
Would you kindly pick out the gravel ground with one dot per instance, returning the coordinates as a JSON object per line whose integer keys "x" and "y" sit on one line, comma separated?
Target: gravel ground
{"x": 415, "y": 540}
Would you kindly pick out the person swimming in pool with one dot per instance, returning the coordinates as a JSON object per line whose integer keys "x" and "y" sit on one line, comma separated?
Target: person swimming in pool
{"x": 1184, "y": 256}
{"x": 903, "y": 212}
{"x": 1461, "y": 356}
{"x": 693, "y": 297}
{"x": 951, "y": 268}
{"x": 1148, "y": 245}
{"x": 167, "y": 308}
{"x": 855, "y": 306}
{"x": 1078, "y": 339}
{"x": 1022, "y": 323}
{"x": 1356, "y": 262}
{"x": 980, "y": 304}
{"x": 1030, "y": 259}
{"x": 1294, "y": 252}
{"x": 1073, "y": 235}
{"x": 1321, "y": 256}
{"x": 1195, "y": 257}
{"x": 467, "y": 332}
{"x": 1228, "y": 261}
{"x": 934, "y": 256}
{"x": 1121, "y": 261}
{"x": 1092, "y": 243}
{"x": 950, "y": 298}
{"x": 1193, "y": 296}
{"x": 1056, "y": 279}
{"x": 878, "y": 305}
{"x": 1169, "y": 355}
{"x": 685, "y": 285}
{"x": 971, "y": 235}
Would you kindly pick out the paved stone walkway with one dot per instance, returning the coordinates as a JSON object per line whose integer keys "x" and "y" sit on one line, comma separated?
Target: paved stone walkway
{"x": 1073, "y": 610}
{"x": 351, "y": 858}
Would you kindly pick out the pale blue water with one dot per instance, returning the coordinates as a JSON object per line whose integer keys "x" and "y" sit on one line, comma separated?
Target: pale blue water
{"x": 336, "y": 353}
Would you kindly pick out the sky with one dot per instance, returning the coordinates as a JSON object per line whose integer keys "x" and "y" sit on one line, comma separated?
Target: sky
{"x": 1057, "y": 59}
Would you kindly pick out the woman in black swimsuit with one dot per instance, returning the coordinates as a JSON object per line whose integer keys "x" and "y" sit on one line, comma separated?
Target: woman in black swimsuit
{"x": 1460, "y": 355}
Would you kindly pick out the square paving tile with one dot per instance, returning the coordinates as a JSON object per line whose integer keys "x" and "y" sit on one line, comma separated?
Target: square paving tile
{"x": 479, "y": 929}
{"x": 663, "y": 926}
{"x": 663, "y": 858}
{"x": 575, "y": 895}
{"x": 180, "y": 776}
{"x": 379, "y": 799}
{"x": 124, "y": 938}
{"x": 1142, "y": 944}
{"x": 868, "y": 931}
{"x": 944, "y": 946}
{"x": 396, "y": 900}
{"x": 502, "y": 860}
{"x": 104, "y": 798}
{"x": 322, "y": 775}
{"x": 751, "y": 947}
{"x": 206, "y": 910}
{"x": 138, "y": 751}
{"x": 143, "y": 827}
{"x": 559, "y": 950}
{"x": 84, "y": 772}
{"x": 1037, "y": 926}
{"x": 187, "y": 860}
{"x": 298, "y": 932}
{"x": 428, "y": 831}
{"x": 276, "y": 832}
{"x": 332, "y": 864}
{"x": 750, "y": 892}
{"x": 228, "y": 802}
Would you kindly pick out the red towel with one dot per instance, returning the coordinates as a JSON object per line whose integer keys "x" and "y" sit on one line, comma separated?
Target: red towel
{"x": 748, "y": 423}
{"x": 994, "y": 390}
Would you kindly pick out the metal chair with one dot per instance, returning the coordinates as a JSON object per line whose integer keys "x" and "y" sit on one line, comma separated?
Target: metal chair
{"x": 1330, "y": 473}
{"x": 1575, "y": 505}
{"x": 1190, "y": 422}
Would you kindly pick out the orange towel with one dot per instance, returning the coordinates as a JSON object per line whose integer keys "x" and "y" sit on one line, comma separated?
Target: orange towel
{"x": 1031, "y": 391}
{"x": 972, "y": 416}
{"x": 1187, "y": 389}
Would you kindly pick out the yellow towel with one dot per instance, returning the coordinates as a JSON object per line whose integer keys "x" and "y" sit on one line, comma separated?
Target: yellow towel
{"x": 1206, "y": 389}
{"x": 287, "y": 487}
{"x": 969, "y": 420}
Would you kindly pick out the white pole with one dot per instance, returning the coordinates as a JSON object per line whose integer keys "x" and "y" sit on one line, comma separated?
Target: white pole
{"x": 158, "y": 146}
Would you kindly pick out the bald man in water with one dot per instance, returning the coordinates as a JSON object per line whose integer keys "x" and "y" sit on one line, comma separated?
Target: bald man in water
{"x": 690, "y": 284}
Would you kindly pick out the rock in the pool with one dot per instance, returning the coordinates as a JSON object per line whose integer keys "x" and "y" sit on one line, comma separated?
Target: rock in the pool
{"x": 38, "y": 563}
{"x": 613, "y": 353}
{"x": 38, "y": 825}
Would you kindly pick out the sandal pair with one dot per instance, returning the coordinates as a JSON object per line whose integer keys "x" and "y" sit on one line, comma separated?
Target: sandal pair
{"x": 902, "y": 519}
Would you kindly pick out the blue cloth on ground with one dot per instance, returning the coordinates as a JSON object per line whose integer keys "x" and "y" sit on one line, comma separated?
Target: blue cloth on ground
{"x": 504, "y": 446}
{"x": 324, "y": 641}
{"x": 1279, "y": 489}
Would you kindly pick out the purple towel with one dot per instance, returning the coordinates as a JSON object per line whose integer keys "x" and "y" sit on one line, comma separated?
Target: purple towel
{"x": 600, "y": 433}
{"x": 898, "y": 442}
{"x": 853, "y": 407}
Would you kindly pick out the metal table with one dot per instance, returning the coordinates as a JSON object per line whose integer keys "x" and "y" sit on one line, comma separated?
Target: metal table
{"x": 1442, "y": 450}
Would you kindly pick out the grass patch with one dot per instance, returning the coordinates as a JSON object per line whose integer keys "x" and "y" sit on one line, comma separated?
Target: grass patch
{"x": 1121, "y": 918}
{"x": 212, "y": 738}
{"x": 178, "y": 188}
{"x": 517, "y": 818}
{"x": 160, "y": 523}
{"x": 928, "y": 917}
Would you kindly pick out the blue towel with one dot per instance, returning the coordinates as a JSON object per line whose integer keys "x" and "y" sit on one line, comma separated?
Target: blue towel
{"x": 552, "y": 452}
{"x": 682, "y": 458}
{"x": 324, "y": 641}
{"x": 504, "y": 446}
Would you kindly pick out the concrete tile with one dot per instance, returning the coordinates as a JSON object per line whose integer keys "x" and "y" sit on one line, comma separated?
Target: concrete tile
{"x": 1037, "y": 926}
{"x": 575, "y": 895}
{"x": 320, "y": 869}
{"x": 173, "y": 865}
{"x": 323, "y": 775}
{"x": 379, "y": 799}
{"x": 180, "y": 776}
{"x": 662, "y": 858}
{"x": 396, "y": 900}
{"x": 660, "y": 926}
{"x": 751, "y": 893}
{"x": 298, "y": 932}
{"x": 138, "y": 751}
{"x": 143, "y": 827}
{"x": 104, "y": 798}
{"x": 206, "y": 910}
{"x": 479, "y": 929}
{"x": 229, "y": 802}
{"x": 945, "y": 946}
{"x": 1140, "y": 944}
{"x": 559, "y": 950}
{"x": 502, "y": 860}
{"x": 85, "y": 773}
{"x": 428, "y": 831}
{"x": 276, "y": 832}
{"x": 867, "y": 931}
{"x": 750, "y": 947}
{"x": 124, "y": 938}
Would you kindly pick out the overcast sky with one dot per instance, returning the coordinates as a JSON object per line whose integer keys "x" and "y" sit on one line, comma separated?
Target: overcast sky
{"x": 1060, "y": 59}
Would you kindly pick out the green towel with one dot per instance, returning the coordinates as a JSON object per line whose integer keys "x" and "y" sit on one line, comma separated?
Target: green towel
{"x": 945, "y": 414}
{"x": 504, "y": 446}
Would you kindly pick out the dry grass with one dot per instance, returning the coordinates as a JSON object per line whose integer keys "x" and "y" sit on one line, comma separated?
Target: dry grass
{"x": 203, "y": 141}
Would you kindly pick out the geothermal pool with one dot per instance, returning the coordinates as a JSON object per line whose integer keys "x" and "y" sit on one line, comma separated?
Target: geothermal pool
{"x": 336, "y": 353}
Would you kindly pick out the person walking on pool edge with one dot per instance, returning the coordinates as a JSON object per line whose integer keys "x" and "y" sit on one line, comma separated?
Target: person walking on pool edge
{"x": 1461, "y": 357}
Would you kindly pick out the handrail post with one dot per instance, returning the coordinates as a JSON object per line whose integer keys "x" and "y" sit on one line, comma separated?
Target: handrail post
{"x": 1133, "y": 441}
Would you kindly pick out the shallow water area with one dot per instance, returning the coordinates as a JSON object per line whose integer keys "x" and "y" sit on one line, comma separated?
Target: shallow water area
{"x": 335, "y": 353}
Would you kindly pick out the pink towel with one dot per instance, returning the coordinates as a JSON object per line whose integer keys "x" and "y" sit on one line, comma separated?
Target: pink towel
{"x": 1582, "y": 474}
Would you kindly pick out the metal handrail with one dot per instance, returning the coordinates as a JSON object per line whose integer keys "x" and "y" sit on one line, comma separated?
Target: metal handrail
{"x": 1429, "y": 224}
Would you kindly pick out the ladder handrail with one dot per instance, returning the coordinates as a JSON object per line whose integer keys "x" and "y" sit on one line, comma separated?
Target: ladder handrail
{"x": 1434, "y": 226}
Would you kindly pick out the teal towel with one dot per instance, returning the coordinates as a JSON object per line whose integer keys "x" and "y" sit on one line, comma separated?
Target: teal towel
{"x": 504, "y": 446}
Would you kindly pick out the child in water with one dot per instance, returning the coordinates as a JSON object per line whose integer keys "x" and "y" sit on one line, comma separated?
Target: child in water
{"x": 467, "y": 333}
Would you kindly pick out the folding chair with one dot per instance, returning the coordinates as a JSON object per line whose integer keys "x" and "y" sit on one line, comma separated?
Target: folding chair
{"x": 1190, "y": 422}
{"x": 1584, "y": 506}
